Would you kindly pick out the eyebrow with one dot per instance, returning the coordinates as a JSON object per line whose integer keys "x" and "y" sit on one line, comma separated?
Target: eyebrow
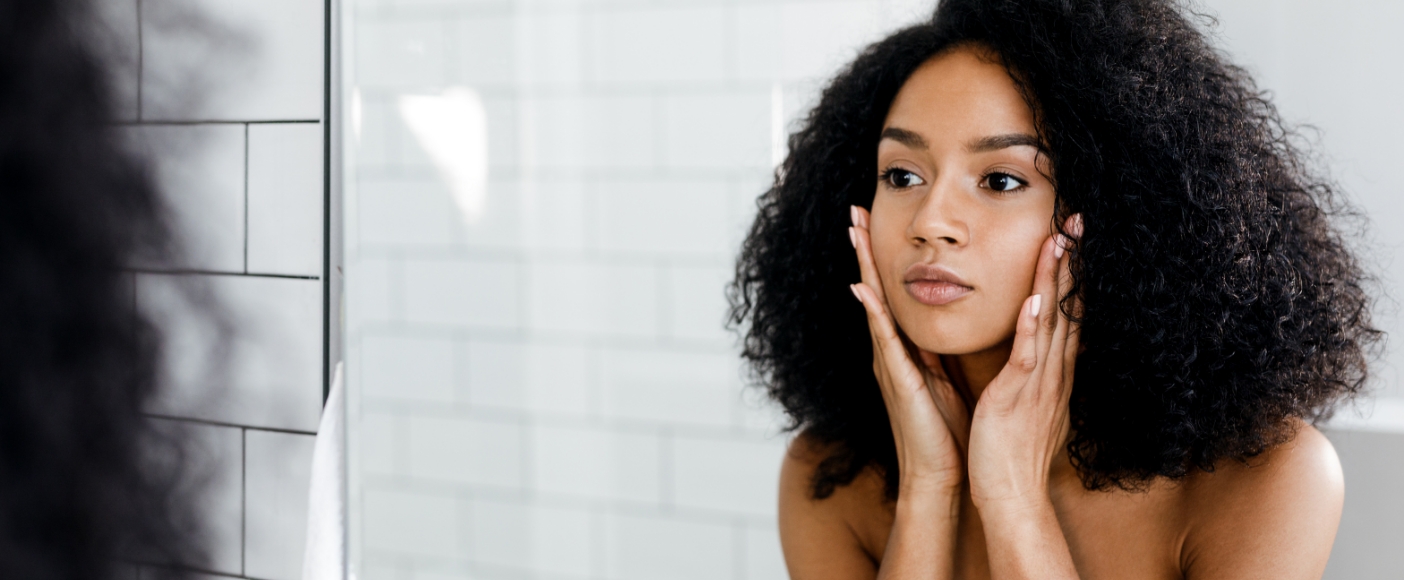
{"x": 981, "y": 145}
{"x": 997, "y": 142}
{"x": 905, "y": 137}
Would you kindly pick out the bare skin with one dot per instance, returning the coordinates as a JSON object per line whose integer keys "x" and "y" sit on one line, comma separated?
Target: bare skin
{"x": 962, "y": 273}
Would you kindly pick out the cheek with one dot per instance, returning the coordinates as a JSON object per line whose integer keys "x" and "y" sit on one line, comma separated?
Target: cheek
{"x": 1012, "y": 258}
{"x": 886, "y": 230}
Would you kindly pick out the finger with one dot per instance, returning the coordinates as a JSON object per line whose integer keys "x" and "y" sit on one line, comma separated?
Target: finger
{"x": 953, "y": 411}
{"x": 1070, "y": 352}
{"x": 879, "y": 368}
{"x": 1064, "y": 275}
{"x": 1046, "y": 288}
{"x": 953, "y": 403}
{"x": 1072, "y": 344}
{"x": 937, "y": 375}
{"x": 1023, "y": 357}
{"x": 1053, "y": 367}
{"x": 863, "y": 246}
{"x": 1074, "y": 229}
{"x": 891, "y": 398}
{"x": 1057, "y": 364}
{"x": 887, "y": 343}
{"x": 1072, "y": 347}
{"x": 888, "y": 347}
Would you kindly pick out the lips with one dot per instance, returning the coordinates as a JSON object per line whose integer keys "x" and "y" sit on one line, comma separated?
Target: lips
{"x": 934, "y": 285}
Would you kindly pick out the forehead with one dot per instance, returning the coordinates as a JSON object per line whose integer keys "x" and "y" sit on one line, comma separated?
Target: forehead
{"x": 959, "y": 94}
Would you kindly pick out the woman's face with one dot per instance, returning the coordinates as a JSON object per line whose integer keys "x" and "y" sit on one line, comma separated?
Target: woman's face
{"x": 962, "y": 207}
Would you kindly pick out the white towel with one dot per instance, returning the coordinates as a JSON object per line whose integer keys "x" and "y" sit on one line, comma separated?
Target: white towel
{"x": 325, "y": 555}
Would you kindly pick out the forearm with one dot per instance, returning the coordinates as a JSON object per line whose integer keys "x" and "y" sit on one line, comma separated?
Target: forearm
{"x": 1026, "y": 542}
{"x": 922, "y": 543}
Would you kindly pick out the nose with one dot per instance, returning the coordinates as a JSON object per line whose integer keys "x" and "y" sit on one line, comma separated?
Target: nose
{"x": 940, "y": 219}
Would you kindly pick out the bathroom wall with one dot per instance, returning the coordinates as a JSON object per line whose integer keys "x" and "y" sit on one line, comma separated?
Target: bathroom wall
{"x": 544, "y": 199}
{"x": 1331, "y": 65}
{"x": 228, "y": 96}
{"x": 546, "y": 387}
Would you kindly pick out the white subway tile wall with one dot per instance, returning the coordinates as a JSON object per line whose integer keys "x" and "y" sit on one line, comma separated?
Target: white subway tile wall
{"x": 284, "y": 219}
{"x": 276, "y": 480}
{"x": 547, "y": 390}
{"x": 215, "y": 452}
{"x": 227, "y": 97}
{"x": 200, "y": 170}
{"x": 261, "y": 60}
{"x": 274, "y": 373}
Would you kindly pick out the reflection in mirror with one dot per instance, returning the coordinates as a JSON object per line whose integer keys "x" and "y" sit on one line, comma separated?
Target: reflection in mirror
{"x": 545, "y": 202}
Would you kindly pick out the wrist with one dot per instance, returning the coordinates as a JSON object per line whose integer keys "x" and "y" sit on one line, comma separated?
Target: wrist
{"x": 934, "y": 485}
{"x": 1014, "y": 509}
{"x": 1024, "y": 539}
{"x": 1012, "y": 495}
{"x": 928, "y": 503}
{"x": 932, "y": 475}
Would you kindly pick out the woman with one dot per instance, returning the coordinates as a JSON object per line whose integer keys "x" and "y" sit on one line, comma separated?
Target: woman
{"x": 1101, "y": 304}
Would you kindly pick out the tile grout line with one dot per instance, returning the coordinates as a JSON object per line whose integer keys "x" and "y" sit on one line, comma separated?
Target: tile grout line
{"x": 195, "y": 272}
{"x": 184, "y": 122}
{"x": 246, "y": 198}
{"x": 213, "y": 423}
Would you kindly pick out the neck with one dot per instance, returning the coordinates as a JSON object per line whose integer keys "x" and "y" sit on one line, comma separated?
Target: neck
{"x": 971, "y": 373}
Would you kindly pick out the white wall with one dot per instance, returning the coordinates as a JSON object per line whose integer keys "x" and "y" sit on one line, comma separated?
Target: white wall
{"x": 1334, "y": 65}
{"x": 231, "y": 104}
{"x": 548, "y": 391}
{"x": 541, "y": 385}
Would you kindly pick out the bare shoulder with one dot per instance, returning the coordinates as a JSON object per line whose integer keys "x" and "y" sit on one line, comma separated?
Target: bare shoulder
{"x": 1305, "y": 466}
{"x": 825, "y": 537}
{"x": 1278, "y": 512}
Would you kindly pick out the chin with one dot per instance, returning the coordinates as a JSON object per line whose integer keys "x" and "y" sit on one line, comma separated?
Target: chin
{"x": 942, "y": 335}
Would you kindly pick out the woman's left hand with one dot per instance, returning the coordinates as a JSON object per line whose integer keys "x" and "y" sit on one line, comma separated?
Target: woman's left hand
{"x": 1021, "y": 420}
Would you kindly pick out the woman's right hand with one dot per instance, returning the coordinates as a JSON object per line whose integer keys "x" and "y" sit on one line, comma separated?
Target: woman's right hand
{"x": 930, "y": 421}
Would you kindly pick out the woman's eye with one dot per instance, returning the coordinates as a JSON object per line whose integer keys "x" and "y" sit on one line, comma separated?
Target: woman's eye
{"x": 902, "y": 179}
{"x": 1003, "y": 182}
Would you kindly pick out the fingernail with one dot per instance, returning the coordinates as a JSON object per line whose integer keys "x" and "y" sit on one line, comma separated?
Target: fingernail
{"x": 1035, "y": 305}
{"x": 854, "y": 289}
{"x": 1076, "y": 229}
{"x": 853, "y": 214}
{"x": 852, "y": 237}
{"x": 1058, "y": 242}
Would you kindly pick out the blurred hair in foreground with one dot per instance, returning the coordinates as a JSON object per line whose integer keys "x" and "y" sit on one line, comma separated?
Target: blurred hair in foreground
{"x": 89, "y": 484}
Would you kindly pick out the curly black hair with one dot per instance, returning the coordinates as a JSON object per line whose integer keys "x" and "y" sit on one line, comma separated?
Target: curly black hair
{"x": 88, "y": 482}
{"x": 1220, "y": 298}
